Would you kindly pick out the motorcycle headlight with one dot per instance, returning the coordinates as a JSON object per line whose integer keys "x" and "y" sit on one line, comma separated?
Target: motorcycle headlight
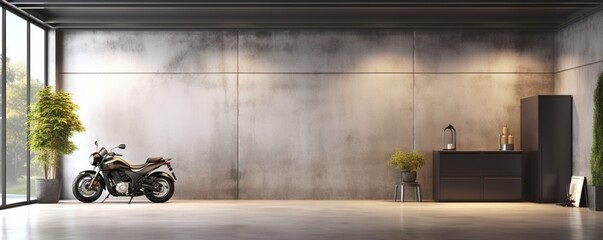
{"x": 94, "y": 159}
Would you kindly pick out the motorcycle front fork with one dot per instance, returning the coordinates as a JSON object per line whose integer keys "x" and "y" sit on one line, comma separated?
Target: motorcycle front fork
{"x": 94, "y": 178}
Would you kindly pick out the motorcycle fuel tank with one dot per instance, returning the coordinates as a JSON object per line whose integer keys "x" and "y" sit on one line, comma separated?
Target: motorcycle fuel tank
{"x": 115, "y": 163}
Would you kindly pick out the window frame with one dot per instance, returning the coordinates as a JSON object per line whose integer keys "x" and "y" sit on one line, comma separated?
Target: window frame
{"x": 4, "y": 7}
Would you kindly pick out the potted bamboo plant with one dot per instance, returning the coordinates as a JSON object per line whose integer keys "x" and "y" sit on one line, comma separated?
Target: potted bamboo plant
{"x": 408, "y": 162}
{"x": 52, "y": 121}
{"x": 595, "y": 192}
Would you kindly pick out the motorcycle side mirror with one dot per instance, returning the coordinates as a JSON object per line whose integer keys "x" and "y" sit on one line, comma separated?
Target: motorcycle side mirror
{"x": 122, "y": 146}
{"x": 96, "y": 143}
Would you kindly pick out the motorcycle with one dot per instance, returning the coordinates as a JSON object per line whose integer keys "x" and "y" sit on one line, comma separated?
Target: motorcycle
{"x": 123, "y": 179}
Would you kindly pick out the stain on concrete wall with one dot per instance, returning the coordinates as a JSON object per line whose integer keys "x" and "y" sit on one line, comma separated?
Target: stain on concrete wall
{"x": 484, "y": 51}
{"x": 326, "y": 51}
{"x": 579, "y": 62}
{"x": 580, "y": 43}
{"x": 149, "y": 51}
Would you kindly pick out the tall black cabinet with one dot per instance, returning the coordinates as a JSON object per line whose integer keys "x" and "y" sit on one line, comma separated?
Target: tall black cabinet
{"x": 546, "y": 142}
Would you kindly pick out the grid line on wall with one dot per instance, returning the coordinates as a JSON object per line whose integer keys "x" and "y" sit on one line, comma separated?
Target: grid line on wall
{"x": 489, "y": 73}
{"x": 302, "y": 73}
{"x": 141, "y": 73}
{"x": 217, "y": 73}
{"x": 238, "y": 122}
{"x": 580, "y": 66}
{"x": 414, "y": 129}
{"x": 555, "y": 54}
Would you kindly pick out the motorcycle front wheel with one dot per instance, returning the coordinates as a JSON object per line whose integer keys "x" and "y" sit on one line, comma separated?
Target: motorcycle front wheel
{"x": 165, "y": 192}
{"x": 82, "y": 190}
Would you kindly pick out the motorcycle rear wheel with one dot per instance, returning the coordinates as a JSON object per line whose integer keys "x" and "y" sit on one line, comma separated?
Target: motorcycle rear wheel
{"x": 81, "y": 191}
{"x": 166, "y": 186}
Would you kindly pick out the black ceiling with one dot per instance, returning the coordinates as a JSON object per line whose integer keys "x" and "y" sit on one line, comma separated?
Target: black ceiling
{"x": 242, "y": 14}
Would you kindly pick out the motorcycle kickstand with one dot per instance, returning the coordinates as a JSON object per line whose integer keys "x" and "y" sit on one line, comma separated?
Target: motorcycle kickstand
{"x": 132, "y": 197}
{"x": 106, "y": 198}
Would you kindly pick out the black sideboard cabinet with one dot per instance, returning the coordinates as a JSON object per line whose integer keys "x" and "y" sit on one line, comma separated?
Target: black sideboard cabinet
{"x": 477, "y": 176}
{"x": 546, "y": 141}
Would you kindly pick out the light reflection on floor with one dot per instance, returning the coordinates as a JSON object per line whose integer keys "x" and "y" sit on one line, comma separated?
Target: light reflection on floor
{"x": 15, "y": 198}
{"x": 299, "y": 220}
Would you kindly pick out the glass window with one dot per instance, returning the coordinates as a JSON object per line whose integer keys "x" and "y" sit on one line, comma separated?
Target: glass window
{"x": 23, "y": 61}
{"x": 36, "y": 77}
{"x": 16, "y": 109}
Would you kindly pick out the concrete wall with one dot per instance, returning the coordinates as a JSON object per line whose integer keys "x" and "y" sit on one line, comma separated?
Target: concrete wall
{"x": 297, "y": 114}
{"x": 474, "y": 80}
{"x": 579, "y": 61}
{"x": 51, "y": 57}
{"x": 171, "y": 94}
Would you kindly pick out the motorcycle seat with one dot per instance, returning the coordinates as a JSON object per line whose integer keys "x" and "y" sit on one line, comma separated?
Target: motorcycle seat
{"x": 154, "y": 159}
{"x": 137, "y": 167}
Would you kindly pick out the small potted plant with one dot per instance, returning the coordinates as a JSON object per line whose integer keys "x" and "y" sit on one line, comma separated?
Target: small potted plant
{"x": 52, "y": 121}
{"x": 408, "y": 162}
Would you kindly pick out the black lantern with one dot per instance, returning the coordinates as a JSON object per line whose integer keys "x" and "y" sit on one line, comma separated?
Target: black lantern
{"x": 451, "y": 144}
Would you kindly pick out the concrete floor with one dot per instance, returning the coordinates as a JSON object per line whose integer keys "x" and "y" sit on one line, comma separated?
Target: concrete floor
{"x": 298, "y": 220}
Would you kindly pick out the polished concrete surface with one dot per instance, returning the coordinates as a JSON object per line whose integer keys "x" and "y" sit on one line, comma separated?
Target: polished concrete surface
{"x": 298, "y": 220}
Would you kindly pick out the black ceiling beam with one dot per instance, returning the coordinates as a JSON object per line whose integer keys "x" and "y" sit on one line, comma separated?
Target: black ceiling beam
{"x": 324, "y": 22}
{"x": 512, "y": 14}
{"x": 453, "y": 4}
{"x": 24, "y": 14}
{"x": 287, "y": 7}
{"x": 355, "y": 26}
{"x": 47, "y": 6}
{"x": 394, "y": 17}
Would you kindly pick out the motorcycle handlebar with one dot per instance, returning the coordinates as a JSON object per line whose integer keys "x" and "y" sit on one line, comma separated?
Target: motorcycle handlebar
{"x": 117, "y": 154}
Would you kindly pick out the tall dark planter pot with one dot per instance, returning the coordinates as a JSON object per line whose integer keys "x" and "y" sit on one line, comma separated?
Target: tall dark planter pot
{"x": 48, "y": 190}
{"x": 595, "y": 198}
